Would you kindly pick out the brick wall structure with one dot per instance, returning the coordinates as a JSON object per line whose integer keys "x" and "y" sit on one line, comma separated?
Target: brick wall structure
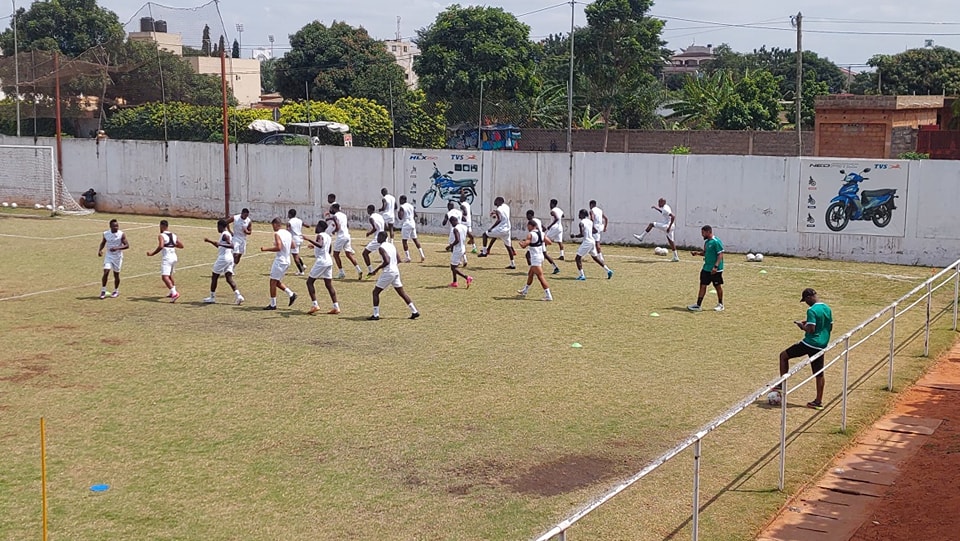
{"x": 743, "y": 143}
{"x": 849, "y": 126}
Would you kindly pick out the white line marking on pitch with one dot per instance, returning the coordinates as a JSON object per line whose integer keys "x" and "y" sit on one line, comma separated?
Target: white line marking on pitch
{"x": 25, "y": 237}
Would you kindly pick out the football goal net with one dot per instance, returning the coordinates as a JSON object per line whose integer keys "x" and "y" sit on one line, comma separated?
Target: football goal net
{"x": 29, "y": 178}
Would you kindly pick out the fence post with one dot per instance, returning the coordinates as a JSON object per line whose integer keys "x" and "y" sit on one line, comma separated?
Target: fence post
{"x": 893, "y": 347}
{"x": 696, "y": 490}
{"x": 843, "y": 400}
{"x": 926, "y": 330}
{"x": 562, "y": 536}
{"x": 956, "y": 294}
{"x": 783, "y": 434}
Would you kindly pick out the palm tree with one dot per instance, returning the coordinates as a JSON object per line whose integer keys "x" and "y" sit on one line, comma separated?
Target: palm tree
{"x": 701, "y": 100}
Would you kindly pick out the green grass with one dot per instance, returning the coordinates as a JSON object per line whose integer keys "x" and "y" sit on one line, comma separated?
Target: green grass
{"x": 478, "y": 421}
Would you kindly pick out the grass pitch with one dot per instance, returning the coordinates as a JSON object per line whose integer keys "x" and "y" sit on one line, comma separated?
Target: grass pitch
{"x": 477, "y": 421}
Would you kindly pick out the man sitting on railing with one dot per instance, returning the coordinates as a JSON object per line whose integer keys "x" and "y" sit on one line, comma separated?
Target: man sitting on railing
{"x": 816, "y": 336}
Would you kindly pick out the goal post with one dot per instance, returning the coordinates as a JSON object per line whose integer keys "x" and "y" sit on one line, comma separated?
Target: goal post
{"x": 29, "y": 177}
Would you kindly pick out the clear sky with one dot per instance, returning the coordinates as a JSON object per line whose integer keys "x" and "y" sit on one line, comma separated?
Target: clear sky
{"x": 848, "y": 32}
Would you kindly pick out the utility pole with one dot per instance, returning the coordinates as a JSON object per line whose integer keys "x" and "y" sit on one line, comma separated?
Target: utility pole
{"x": 16, "y": 65}
{"x": 570, "y": 86}
{"x": 798, "y": 96}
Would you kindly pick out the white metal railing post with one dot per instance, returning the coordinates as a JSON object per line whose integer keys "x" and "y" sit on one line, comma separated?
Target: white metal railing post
{"x": 893, "y": 346}
{"x": 926, "y": 329}
{"x": 783, "y": 434}
{"x": 843, "y": 401}
{"x": 562, "y": 536}
{"x": 956, "y": 294}
{"x": 696, "y": 490}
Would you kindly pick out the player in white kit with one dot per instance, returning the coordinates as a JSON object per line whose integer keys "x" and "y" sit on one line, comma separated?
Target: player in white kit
{"x": 454, "y": 212}
{"x": 322, "y": 269}
{"x": 282, "y": 242}
{"x": 588, "y": 246}
{"x": 667, "y": 224}
{"x": 224, "y": 263}
{"x": 377, "y": 225}
{"x": 599, "y": 225}
{"x": 388, "y": 209}
{"x": 115, "y": 242}
{"x": 534, "y": 244}
{"x": 499, "y": 230}
{"x": 389, "y": 278}
{"x": 531, "y": 217}
{"x": 408, "y": 228}
{"x": 555, "y": 229}
{"x": 341, "y": 240}
{"x": 457, "y": 249}
{"x": 241, "y": 228}
{"x": 295, "y": 227}
{"x": 167, "y": 243}
{"x": 468, "y": 221}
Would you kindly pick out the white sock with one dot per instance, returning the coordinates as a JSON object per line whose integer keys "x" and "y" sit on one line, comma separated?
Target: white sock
{"x": 581, "y": 272}
{"x": 546, "y": 293}
{"x": 213, "y": 294}
{"x": 675, "y": 254}
{"x": 273, "y": 301}
{"x": 376, "y": 310}
{"x": 413, "y": 309}
{"x": 606, "y": 268}
{"x": 369, "y": 268}
{"x": 359, "y": 269}
{"x": 561, "y": 253}
{"x": 336, "y": 306}
{"x": 421, "y": 252}
{"x": 524, "y": 290}
{"x": 288, "y": 291}
{"x": 103, "y": 290}
{"x": 173, "y": 290}
{"x": 644, "y": 234}
{"x": 406, "y": 254}
{"x": 236, "y": 292}
{"x": 316, "y": 304}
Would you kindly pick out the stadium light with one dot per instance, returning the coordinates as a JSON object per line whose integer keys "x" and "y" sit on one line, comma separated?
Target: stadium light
{"x": 240, "y": 40}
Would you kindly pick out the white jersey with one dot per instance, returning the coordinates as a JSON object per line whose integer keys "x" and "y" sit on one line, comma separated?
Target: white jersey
{"x": 665, "y": 213}
{"x": 539, "y": 224}
{"x": 504, "y": 212}
{"x": 461, "y": 245}
{"x": 342, "y": 229}
{"x": 114, "y": 240}
{"x": 296, "y": 228}
{"x": 558, "y": 214}
{"x": 169, "y": 251}
{"x": 286, "y": 240}
{"x": 467, "y": 213}
{"x": 587, "y": 225}
{"x": 597, "y": 215}
{"x": 454, "y": 213}
{"x": 323, "y": 254}
{"x": 240, "y": 226}
{"x": 391, "y": 260}
{"x": 409, "y": 215}
{"x": 389, "y": 207}
{"x": 225, "y": 247}
{"x": 535, "y": 248}
{"x": 378, "y": 223}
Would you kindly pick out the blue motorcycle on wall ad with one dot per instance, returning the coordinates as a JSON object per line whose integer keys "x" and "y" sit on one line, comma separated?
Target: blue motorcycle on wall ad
{"x": 448, "y": 188}
{"x": 852, "y": 205}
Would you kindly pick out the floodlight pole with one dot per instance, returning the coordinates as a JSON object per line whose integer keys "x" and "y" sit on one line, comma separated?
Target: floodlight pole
{"x": 16, "y": 64}
{"x": 240, "y": 40}
{"x": 226, "y": 133}
{"x": 570, "y": 85}
{"x": 59, "y": 122}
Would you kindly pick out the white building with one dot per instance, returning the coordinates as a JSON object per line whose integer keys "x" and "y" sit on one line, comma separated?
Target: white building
{"x": 404, "y": 51}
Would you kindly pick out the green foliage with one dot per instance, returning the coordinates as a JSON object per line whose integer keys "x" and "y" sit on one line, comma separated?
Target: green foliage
{"x": 268, "y": 75}
{"x": 782, "y": 63}
{"x": 467, "y": 47}
{"x": 68, "y": 26}
{"x": 368, "y": 120}
{"x": 205, "y": 42}
{"x": 235, "y": 51}
{"x": 420, "y": 124}
{"x": 679, "y": 150}
{"x": 719, "y": 102}
{"x": 337, "y": 62}
{"x": 142, "y": 83}
{"x": 811, "y": 89}
{"x": 184, "y": 122}
{"x": 914, "y": 156}
{"x": 931, "y": 71}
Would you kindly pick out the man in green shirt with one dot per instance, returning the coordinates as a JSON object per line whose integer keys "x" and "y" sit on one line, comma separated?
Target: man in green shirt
{"x": 712, "y": 272}
{"x": 816, "y": 337}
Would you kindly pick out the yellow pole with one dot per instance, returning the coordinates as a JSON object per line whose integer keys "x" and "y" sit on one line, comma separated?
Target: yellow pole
{"x": 43, "y": 475}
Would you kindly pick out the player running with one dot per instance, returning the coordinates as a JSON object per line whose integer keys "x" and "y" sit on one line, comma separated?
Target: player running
{"x": 588, "y": 246}
{"x": 377, "y": 225}
{"x": 115, "y": 242}
{"x": 555, "y": 229}
{"x": 242, "y": 227}
{"x": 167, "y": 242}
{"x": 388, "y": 209}
{"x": 282, "y": 242}
{"x": 322, "y": 268}
{"x": 408, "y": 228}
{"x": 543, "y": 248}
{"x": 295, "y": 227}
{"x": 599, "y": 226}
{"x": 224, "y": 263}
{"x": 499, "y": 230}
{"x": 667, "y": 224}
{"x": 534, "y": 244}
{"x": 468, "y": 221}
{"x": 457, "y": 249}
{"x": 389, "y": 278}
{"x": 341, "y": 242}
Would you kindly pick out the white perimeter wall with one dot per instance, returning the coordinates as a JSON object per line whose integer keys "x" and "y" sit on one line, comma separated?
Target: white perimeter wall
{"x": 752, "y": 202}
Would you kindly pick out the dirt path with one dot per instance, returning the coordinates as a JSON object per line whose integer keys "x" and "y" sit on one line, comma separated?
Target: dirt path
{"x": 901, "y": 481}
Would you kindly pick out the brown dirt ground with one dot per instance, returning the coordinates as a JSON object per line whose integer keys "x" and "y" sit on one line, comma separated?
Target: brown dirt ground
{"x": 924, "y": 501}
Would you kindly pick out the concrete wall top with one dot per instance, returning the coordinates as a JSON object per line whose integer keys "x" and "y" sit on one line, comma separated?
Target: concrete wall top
{"x": 851, "y": 101}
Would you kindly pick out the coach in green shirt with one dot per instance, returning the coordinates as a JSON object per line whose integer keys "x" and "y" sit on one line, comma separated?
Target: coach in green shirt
{"x": 712, "y": 272}
{"x": 816, "y": 337}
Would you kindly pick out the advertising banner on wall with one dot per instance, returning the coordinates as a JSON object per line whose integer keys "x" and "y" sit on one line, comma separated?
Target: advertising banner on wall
{"x": 854, "y": 197}
{"x": 434, "y": 177}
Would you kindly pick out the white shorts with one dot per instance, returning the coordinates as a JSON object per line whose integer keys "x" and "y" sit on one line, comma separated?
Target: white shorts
{"x": 456, "y": 257}
{"x": 295, "y": 245}
{"x": 536, "y": 260}
{"x": 342, "y": 244}
{"x": 665, "y": 227}
{"x": 239, "y": 245}
{"x": 167, "y": 265}
{"x": 223, "y": 266}
{"x": 320, "y": 270}
{"x": 388, "y": 279}
{"x": 502, "y": 234}
{"x": 278, "y": 270}
{"x": 596, "y": 238}
{"x": 408, "y": 232}
{"x": 388, "y": 219}
{"x": 372, "y": 246}
{"x": 113, "y": 262}
{"x": 555, "y": 234}
{"x": 587, "y": 248}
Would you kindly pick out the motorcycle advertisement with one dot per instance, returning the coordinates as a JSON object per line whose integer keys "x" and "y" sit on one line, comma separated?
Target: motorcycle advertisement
{"x": 434, "y": 177}
{"x": 854, "y": 197}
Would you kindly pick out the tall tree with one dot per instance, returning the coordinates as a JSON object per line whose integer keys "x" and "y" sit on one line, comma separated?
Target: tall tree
{"x": 235, "y": 52}
{"x": 469, "y": 47}
{"x": 934, "y": 70}
{"x": 268, "y": 75}
{"x": 222, "y": 47}
{"x": 720, "y": 102}
{"x": 68, "y": 26}
{"x": 337, "y": 61}
{"x": 620, "y": 53}
{"x": 205, "y": 42}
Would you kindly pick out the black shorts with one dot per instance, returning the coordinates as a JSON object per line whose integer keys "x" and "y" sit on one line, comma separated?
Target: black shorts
{"x": 707, "y": 278}
{"x": 800, "y": 349}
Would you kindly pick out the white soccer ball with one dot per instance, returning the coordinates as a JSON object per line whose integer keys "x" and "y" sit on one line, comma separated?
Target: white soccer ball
{"x": 13, "y": 205}
{"x": 751, "y": 257}
{"x": 60, "y": 208}
{"x": 37, "y": 206}
{"x": 49, "y": 207}
{"x": 759, "y": 257}
{"x": 5, "y": 204}
{"x": 774, "y": 398}
{"x": 663, "y": 251}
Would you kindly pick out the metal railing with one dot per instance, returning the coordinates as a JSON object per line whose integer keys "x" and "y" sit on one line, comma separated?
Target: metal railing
{"x": 892, "y": 312}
